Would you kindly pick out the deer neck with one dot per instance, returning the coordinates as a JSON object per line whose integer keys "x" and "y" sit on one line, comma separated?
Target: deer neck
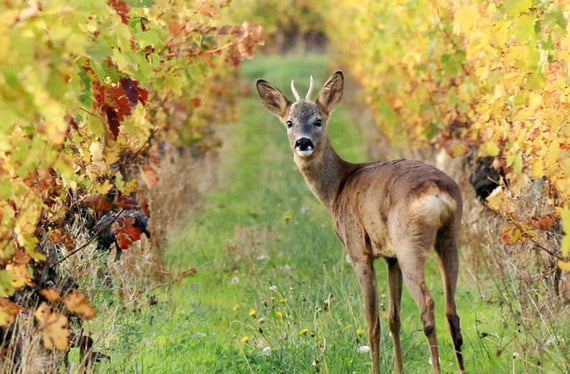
{"x": 325, "y": 172}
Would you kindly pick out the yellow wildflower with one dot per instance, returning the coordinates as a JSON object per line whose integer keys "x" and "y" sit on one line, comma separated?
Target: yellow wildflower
{"x": 278, "y": 314}
{"x": 282, "y": 300}
{"x": 236, "y": 307}
{"x": 287, "y": 216}
{"x": 245, "y": 339}
{"x": 360, "y": 331}
{"x": 303, "y": 332}
{"x": 252, "y": 312}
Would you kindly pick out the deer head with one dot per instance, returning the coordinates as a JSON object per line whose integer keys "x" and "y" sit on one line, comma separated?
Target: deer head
{"x": 305, "y": 120}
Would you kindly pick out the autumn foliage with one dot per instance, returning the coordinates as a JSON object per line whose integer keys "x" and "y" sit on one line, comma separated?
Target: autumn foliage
{"x": 89, "y": 90}
{"x": 478, "y": 79}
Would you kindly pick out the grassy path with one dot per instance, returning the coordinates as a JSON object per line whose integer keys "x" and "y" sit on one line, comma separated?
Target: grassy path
{"x": 273, "y": 292}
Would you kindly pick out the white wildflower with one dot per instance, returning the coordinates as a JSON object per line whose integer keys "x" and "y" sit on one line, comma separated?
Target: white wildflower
{"x": 363, "y": 349}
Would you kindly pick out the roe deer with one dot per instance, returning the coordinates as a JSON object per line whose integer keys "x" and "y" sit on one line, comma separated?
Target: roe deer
{"x": 396, "y": 210}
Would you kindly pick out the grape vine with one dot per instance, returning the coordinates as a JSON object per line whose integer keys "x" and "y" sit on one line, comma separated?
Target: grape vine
{"x": 88, "y": 91}
{"x": 489, "y": 78}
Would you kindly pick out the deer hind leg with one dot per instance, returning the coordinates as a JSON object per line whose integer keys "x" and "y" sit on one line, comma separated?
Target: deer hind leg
{"x": 395, "y": 293}
{"x": 367, "y": 278}
{"x": 446, "y": 247}
{"x": 411, "y": 258}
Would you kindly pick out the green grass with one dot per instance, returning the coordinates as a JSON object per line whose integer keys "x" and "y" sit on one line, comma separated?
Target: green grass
{"x": 267, "y": 259}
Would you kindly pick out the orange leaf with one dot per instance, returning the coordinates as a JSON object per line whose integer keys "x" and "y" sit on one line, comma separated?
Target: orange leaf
{"x": 21, "y": 275}
{"x": 50, "y": 294}
{"x": 125, "y": 232}
{"x": 77, "y": 303}
{"x": 510, "y": 234}
{"x": 55, "y": 332}
{"x": 149, "y": 175}
{"x": 42, "y": 312}
{"x": 8, "y": 311}
{"x": 207, "y": 9}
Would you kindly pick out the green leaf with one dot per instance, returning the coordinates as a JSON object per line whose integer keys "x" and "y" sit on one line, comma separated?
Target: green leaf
{"x": 140, "y": 3}
{"x": 99, "y": 51}
{"x": 524, "y": 29}
{"x": 6, "y": 287}
{"x": 554, "y": 16}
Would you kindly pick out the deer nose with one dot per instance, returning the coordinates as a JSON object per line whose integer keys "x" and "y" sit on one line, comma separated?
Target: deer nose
{"x": 304, "y": 147}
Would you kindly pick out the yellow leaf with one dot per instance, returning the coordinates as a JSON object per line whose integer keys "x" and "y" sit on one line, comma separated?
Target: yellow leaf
{"x": 465, "y": 20}
{"x": 499, "y": 201}
{"x": 537, "y": 168}
{"x": 564, "y": 265}
{"x": 489, "y": 149}
{"x": 21, "y": 275}
{"x": 42, "y": 312}
{"x": 77, "y": 303}
{"x": 55, "y": 332}
{"x": 551, "y": 155}
{"x": 510, "y": 234}
{"x": 104, "y": 188}
{"x": 8, "y": 311}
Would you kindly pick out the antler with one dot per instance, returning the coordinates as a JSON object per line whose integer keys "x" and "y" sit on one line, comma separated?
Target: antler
{"x": 295, "y": 93}
{"x": 308, "y": 97}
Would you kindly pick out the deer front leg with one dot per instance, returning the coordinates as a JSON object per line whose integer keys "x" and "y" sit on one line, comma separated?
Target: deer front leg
{"x": 395, "y": 296}
{"x": 367, "y": 278}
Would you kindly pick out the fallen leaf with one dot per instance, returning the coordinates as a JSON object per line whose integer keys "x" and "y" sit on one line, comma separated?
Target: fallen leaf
{"x": 55, "y": 332}
{"x": 51, "y": 295}
{"x": 77, "y": 303}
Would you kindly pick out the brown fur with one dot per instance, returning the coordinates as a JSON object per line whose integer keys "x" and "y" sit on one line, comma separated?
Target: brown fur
{"x": 397, "y": 210}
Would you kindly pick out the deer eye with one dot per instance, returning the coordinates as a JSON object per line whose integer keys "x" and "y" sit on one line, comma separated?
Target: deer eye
{"x": 318, "y": 122}
{"x": 289, "y": 124}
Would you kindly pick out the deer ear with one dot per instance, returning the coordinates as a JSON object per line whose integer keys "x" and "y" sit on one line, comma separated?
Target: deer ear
{"x": 273, "y": 98}
{"x": 331, "y": 93}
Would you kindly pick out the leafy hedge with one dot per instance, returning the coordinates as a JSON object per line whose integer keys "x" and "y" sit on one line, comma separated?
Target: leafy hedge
{"x": 473, "y": 77}
{"x": 88, "y": 90}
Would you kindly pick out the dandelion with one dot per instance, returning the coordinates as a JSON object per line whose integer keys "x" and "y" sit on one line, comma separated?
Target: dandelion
{"x": 278, "y": 314}
{"x": 348, "y": 327}
{"x": 303, "y": 332}
{"x": 287, "y": 217}
{"x": 360, "y": 331}
{"x": 236, "y": 307}
{"x": 235, "y": 280}
{"x": 245, "y": 339}
{"x": 363, "y": 349}
{"x": 282, "y": 300}
{"x": 252, "y": 312}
